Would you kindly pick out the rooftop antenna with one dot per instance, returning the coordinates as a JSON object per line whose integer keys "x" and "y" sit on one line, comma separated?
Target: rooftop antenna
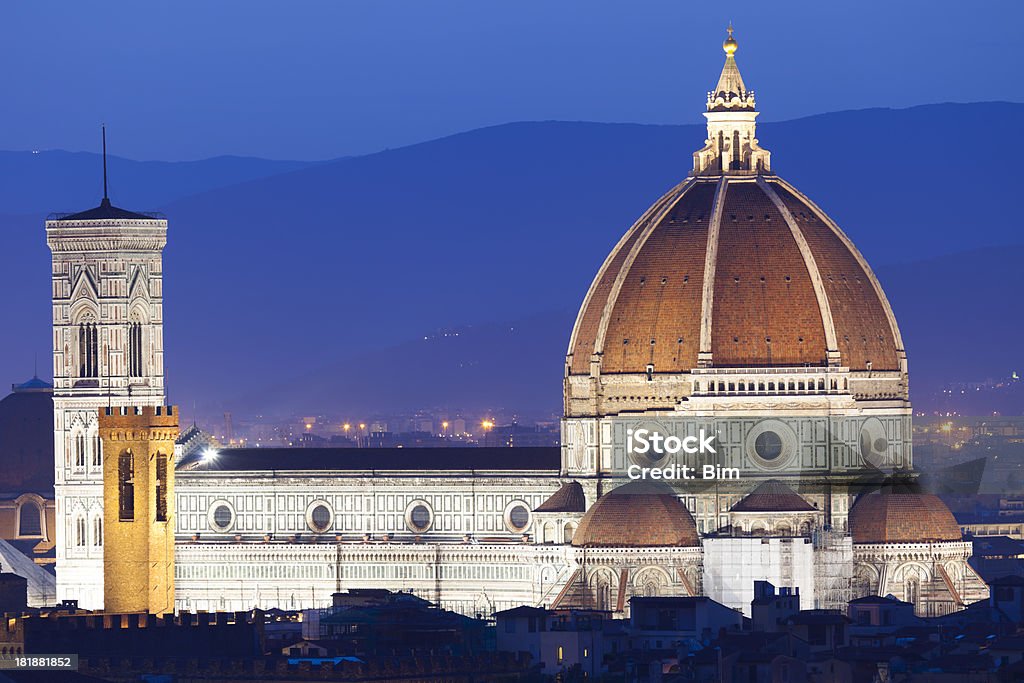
{"x": 106, "y": 199}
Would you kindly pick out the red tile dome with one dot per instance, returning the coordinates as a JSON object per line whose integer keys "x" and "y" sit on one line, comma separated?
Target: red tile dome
{"x": 637, "y": 515}
{"x": 734, "y": 271}
{"x": 902, "y": 515}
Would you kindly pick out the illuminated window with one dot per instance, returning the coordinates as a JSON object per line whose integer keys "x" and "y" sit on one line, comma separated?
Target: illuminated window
{"x": 126, "y": 486}
{"x": 561, "y": 654}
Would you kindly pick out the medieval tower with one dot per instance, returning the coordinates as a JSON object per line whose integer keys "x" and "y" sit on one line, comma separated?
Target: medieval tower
{"x": 138, "y": 508}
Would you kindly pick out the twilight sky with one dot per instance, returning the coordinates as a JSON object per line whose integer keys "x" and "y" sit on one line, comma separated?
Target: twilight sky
{"x": 190, "y": 79}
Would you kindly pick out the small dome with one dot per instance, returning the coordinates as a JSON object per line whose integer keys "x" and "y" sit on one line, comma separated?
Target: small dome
{"x": 773, "y": 496}
{"x": 569, "y": 498}
{"x": 902, "y": 514}
{"x": 637, "y": 515}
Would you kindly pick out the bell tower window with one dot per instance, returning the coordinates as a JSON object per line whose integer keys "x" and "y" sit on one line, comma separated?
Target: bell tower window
{"x": 135, "y": 349}
{"x": 80, "y": 454}
{"x": 88, "y": 355}
{"x": 126, "y": 487}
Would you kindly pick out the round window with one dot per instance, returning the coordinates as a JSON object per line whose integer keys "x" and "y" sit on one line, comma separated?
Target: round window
{"x": 874, "y": 444}
{"x": 320, "y": 517}
{"x": 420, "y": 518}
{"x": 517, "y": 518}
{"x": 223, "y": 517}
{"x": 768, "y": 445}
{"x": 772, "y": 445}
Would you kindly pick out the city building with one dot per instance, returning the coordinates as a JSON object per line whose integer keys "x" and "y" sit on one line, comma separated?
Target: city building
{"x": 734, "y": 316}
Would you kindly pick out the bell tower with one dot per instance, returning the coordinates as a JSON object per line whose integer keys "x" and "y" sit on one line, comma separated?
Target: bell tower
{"x": 107, "y": 296}
{"x": 138, "y": 508}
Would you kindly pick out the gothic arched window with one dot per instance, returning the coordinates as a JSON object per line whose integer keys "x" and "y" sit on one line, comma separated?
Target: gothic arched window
{"x": 135, "y": 349}
{"x": 88, "y": 350}
{"x": 912, "y": 591}
{"x": 97, "y": 450}
{"x": 126, "y": 486}
{"x": 97, "y": 531}
{"x": 79, "y": 448}
{"x": 80, "y": 532}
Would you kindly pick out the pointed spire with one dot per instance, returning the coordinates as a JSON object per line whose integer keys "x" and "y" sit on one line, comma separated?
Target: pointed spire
{"x": 106, "y": 198}
{"x": 730, "y": 93}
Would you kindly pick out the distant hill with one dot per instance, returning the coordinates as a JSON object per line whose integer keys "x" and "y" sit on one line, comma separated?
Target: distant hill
{"x": 953, "y": 334}
{"x": 282, "y": 276}
{"x": 58, "y": 181}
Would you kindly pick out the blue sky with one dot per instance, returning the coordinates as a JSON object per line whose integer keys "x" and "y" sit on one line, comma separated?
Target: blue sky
{"x": 320, "y": 79}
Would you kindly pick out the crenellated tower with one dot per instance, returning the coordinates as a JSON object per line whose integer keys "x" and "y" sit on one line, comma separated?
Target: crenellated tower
{"x": 107, "y": 294}
{"x": 138, "y": 492}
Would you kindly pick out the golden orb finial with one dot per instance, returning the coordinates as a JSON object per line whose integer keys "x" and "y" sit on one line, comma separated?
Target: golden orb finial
{"x": 730, "y": 45}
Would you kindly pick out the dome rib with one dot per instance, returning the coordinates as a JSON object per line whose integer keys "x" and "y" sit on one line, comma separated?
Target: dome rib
{"x": 704, "y": 357}
{"x": 828, "y": 324}
{"x": 577, "y": 362}
{"x": 638, "y": 245}
{"x": 862, "y": 262}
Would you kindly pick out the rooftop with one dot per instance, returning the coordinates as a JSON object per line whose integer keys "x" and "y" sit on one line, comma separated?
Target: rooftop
{"x": 371, "y": 459}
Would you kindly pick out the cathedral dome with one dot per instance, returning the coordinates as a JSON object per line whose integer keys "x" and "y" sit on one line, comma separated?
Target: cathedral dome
{"x": 734, "y": 268}
{"x": 734, "y": 272}
{"x": 637, "y": 515}
{"x": 902, "y": 515}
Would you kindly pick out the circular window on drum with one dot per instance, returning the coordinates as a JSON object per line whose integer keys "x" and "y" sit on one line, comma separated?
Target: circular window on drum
{"x": 640, "y": 443}
{"x": 419, "y": 516}
{"x": 517, "y": 516}
{"x": 874, "y": 443}
{"x": 221, "y": 516}
{"x": 319, "y": 516}
{"x": 771, "y": 444}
